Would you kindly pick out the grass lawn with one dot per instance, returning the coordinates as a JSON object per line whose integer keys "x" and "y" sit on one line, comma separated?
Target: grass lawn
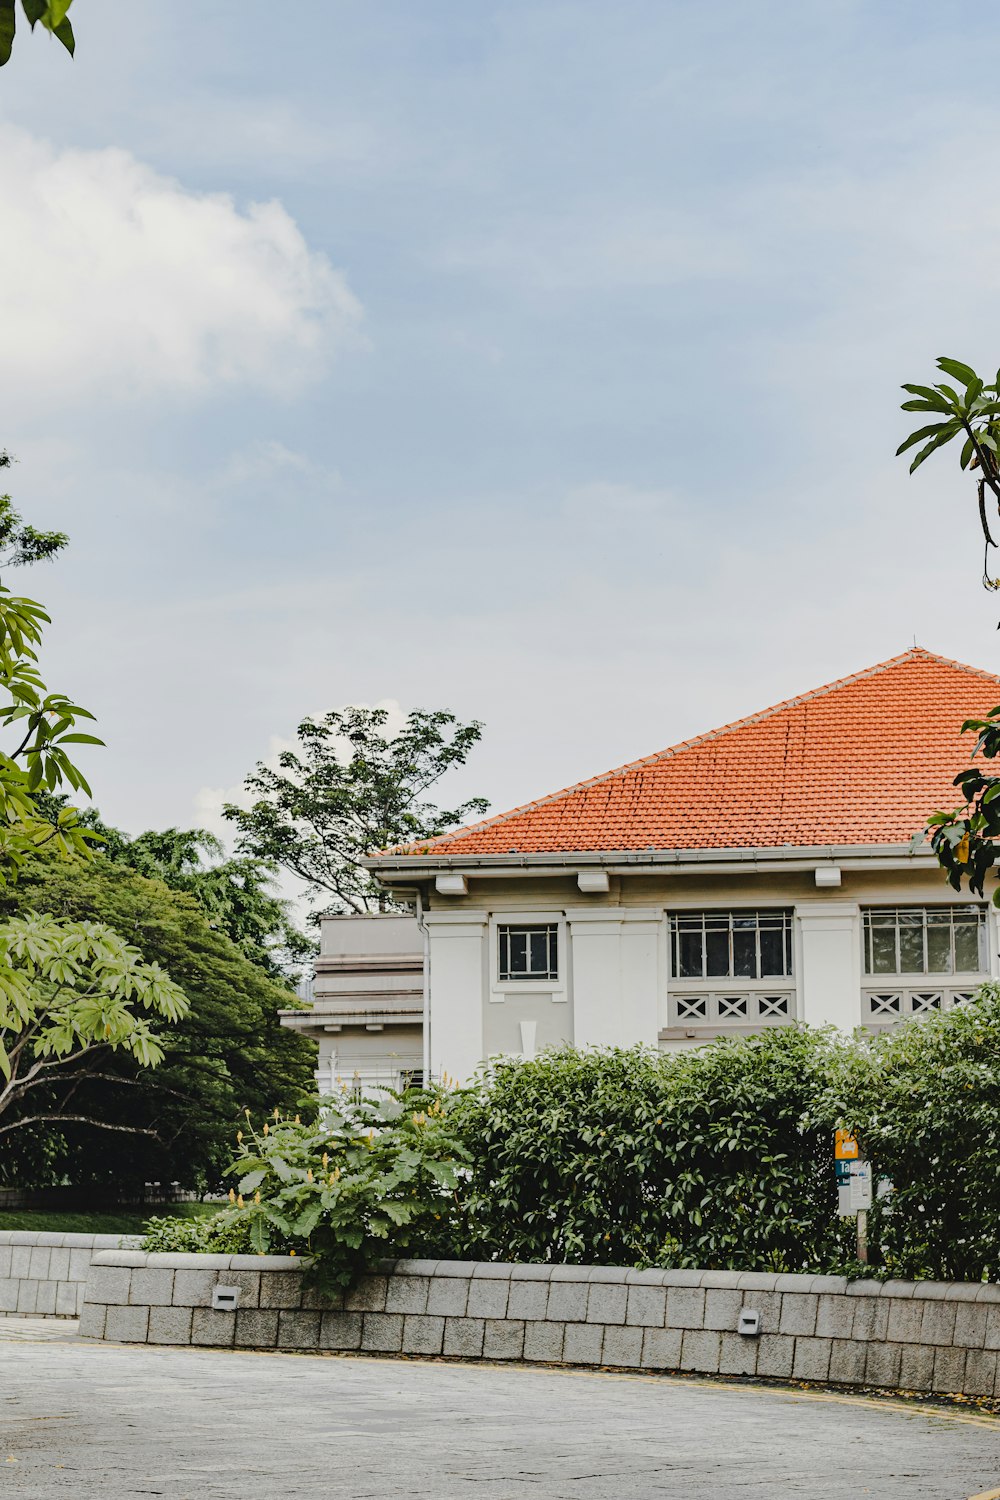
{"x": 121, "y": 1221}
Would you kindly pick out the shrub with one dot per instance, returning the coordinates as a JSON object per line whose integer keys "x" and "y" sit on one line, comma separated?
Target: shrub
{"x": 218, "y": 1234}
{"x": 366, "y": 1176}
{"x": 709, "y": 1158}
{"x": 924, "y": 1101}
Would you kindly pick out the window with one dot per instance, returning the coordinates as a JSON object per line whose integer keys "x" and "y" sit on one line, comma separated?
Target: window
{"x": 731, "y": 944}
{"x": 925, "y": 940}
{"x": 529, "y": 952}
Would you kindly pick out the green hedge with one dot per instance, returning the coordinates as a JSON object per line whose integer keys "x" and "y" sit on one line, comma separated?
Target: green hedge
{"x": 719, "y": 1157}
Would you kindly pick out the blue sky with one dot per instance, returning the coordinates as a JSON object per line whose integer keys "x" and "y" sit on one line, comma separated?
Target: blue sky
{"x": 537, "y": 360}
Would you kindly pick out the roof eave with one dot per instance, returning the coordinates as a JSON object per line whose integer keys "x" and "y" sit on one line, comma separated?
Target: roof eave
{"x": 394, "y": 868}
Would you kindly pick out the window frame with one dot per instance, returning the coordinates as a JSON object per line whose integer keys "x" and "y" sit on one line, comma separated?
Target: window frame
{"x": 783, "y": 912}
{"x": 878, "y": 978}
{"x": 499, "y": 990}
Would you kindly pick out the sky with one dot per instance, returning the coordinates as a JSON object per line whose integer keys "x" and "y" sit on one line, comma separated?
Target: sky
{"x": 538, "y": 360}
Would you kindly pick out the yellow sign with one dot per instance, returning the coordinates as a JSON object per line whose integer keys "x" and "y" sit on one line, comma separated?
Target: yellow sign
{"x": 845, "y": 1147}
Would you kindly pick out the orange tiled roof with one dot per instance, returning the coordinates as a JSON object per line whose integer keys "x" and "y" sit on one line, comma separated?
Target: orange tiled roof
{"x": 860, "y": 761}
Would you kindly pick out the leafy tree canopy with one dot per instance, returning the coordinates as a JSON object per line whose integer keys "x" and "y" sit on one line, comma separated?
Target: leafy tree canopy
{"x": 966, "y": 839}
{"x": 236, "y": 894}
{"x": 51, "y": 14}
{"x": 21, "y": 544}
{"x": 229, "y": 1052}
{"x": 350, "y": 789}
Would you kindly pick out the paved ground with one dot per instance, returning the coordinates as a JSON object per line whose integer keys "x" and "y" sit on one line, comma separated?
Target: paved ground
{"x": 116, "y": 1422}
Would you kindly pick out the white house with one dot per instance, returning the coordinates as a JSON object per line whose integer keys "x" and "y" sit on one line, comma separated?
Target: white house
{"x": 757, "y": 874}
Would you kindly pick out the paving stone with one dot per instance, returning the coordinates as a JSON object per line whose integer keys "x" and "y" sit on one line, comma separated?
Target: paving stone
{"x": 847, "y": 1362}
{"x": 488, "y": 1299}
{"x": 647, "y": 1306}
{"x": 722, "y": 1309}
{"x": 382, "y": 1333}
{"x": 503, "y": 1338}
{"x": 463, "y": 1337}
{"x": 422, "y": 1334}
{"x": 217, "y": 1329}
{"x": 661, "y": 1348}
{"x": 811, "y": 1360}
{"x": 949, "y": 1370}
{"x": 169, "y": 1325}
{"x": 340, "y": 1330}
{"x": 798, "y": 1313}
{"x": 700, "y": 1350}
{"x": 737, "y": 1354}
{"x": 567, "y": 1302}
{"x": 583, "y": 1344}
{"x": 622, "y": 1346}
{"x": 774, "y": 1356}
{"x": 449, "y": 1296}
{"x": 127, "y": 1325}
{"x": 257, "y": 1328}
{"x": 544, "y": 1341}
{"x": 882, "y": 1364}
{"x": 151, "y": 1288}
{"x": 606, "y": 1304}
{"x": 834, "y": 1317}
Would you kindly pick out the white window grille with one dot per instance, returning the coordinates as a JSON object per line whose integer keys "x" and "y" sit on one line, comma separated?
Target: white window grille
{"x": 528, "y": 952}
{"x": 731, "y": 944}
{"x": 925, "y": 940}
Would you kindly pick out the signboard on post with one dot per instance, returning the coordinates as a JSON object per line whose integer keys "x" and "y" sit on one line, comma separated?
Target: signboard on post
{"x": 845, "y": 1147}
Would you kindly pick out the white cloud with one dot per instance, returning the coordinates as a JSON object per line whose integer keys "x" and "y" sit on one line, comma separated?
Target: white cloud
{"x": 116, "y": 279}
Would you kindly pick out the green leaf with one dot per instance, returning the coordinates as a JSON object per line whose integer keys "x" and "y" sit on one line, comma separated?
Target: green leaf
{"x": 937, "y": 442}
{"x": 8, "y": 26}
{"x": 34, "y": 10}
{"x": 954, "y": 367}
{"x": 64, "y": 33}
{"x": 920, "y": 434}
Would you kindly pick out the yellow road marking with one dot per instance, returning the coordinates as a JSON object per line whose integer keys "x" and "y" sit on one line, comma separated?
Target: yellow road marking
{"x": 986, "y": 1495}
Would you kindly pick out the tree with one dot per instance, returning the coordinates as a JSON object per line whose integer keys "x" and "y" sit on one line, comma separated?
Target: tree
{"x": 70, "y": 993}
{"x": 21, "y": 544}
{"x": 349, "y": 790}
{"x": 236, "y": 894}
{"x": 51, "y": 14}
{"x": 973, "y": 416}
{"x": 227, "y": 1053}
{"x": 966, "y": 840}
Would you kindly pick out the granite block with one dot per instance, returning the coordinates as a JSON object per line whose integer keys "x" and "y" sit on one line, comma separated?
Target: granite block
{"x": 503, "y": 1338}
{"x": 298, "y": 1328}
{"x": 170, "y": 1325}
{"x": 647, "y": 1306}
{"x": 701, "y": 1350}
{"x": 567, "y": 1302}
{"x": 606, "y": 1303}
{"x": 938, "y": 1323}
{"x": 422, "y": 1334}
{"x": 905, "y": 1319}
{"x": 280, "y": 1289}
{"x": 211, "y": 1328}
{"x": 737, "y": 1355}
{"x": 463, "y": 1337}
{"x": 774, "y": 1356}
{"x": 980, "y": 1373}
{"x": 368, "y": 1295}
{"x": 811, "y": 1360}
{"x": 949, "y": 1371}
{"x": 127, "y": 1325}
{"x": 623, "y": 1346}
{"x": 798, "y": 1313}
{"x": 834, "y": 1317}
{"x": 723, "y": 1308}
{"x": 407, "y": 1294}
{"x": 970, "y": 1325}
{"x": 529, "y": 1299}
{"x": 685, "y": 1307}
{"x": 544, "y": 1341}
{"x": 257, "y": 1328}
{"x": 449, "y": 1296}
{"x": 583, "y": 1344}
{"x": 882, "y": 1364}
{"x": 340, "y": 1330}
{"x": 847, "y": 1362}
{"x": 382, "y": 1333}
{"x": 661, "y": 1348}
{"x": 109, "y": 1284}
{"x": 487, "y": 1299}
{"x": 92, "y": 1320}
{"x": 151, "y": 1288}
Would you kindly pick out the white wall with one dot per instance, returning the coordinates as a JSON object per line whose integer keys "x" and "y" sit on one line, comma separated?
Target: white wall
{"x": 458, "y": 944}
{"x": 828, "y": 962}
{"x": 615, "y": 977}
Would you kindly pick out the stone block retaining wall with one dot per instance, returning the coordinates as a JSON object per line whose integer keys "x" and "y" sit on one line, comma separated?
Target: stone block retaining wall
{"x": 920, "y": 1336}
{"x": 46, "y": 1274}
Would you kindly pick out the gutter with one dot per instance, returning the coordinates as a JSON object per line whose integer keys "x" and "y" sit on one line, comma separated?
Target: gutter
{"x": 636, "y": 861}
